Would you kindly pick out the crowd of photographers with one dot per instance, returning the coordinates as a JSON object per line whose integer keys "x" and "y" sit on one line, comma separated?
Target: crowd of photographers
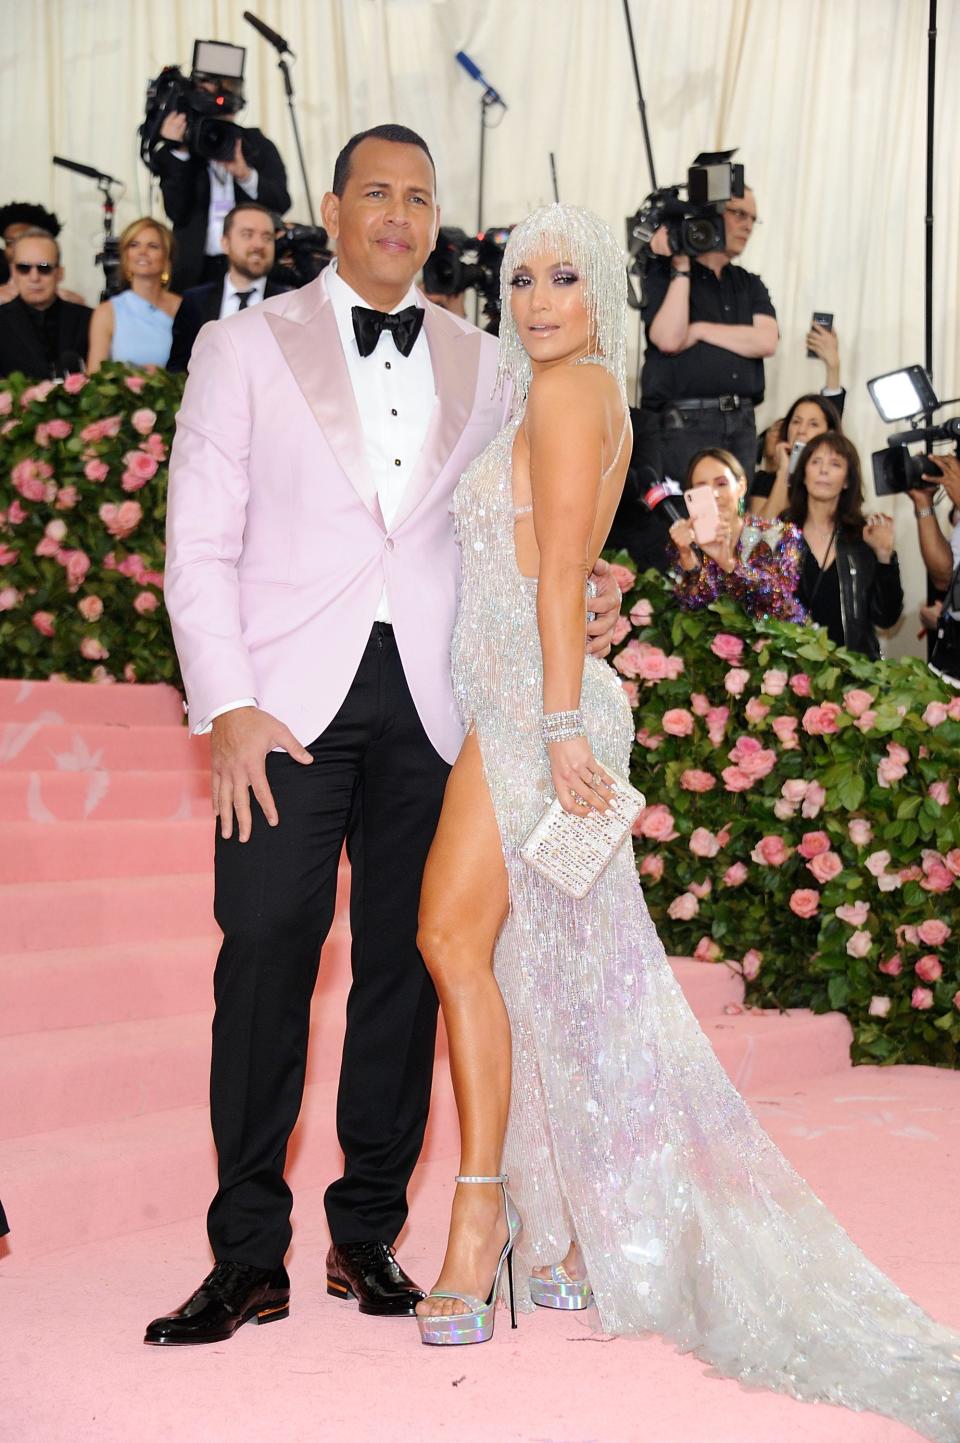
{"x": 776, "y": 522}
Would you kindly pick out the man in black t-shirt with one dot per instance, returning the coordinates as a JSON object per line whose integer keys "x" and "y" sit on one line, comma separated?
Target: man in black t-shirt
{"x": 40, "y": 334}
{"x": 709, "y": 325}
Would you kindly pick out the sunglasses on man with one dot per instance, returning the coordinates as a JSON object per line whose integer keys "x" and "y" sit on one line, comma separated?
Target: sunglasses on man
{"x": 24, "y": 268}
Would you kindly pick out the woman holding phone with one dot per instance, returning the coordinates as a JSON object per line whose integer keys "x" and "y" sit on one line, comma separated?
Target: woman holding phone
{"x": 809, "y": 416}
{"x": 722, "y": 552}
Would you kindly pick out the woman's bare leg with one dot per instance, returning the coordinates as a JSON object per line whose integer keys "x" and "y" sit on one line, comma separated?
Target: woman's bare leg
{"x": 463, "y": 905}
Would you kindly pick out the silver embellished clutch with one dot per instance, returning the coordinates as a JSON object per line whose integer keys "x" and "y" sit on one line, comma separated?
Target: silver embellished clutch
{"x": 572, "y": 851}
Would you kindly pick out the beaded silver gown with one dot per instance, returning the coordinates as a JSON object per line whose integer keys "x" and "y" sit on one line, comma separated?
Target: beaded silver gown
{"x": 625, "y": 1132}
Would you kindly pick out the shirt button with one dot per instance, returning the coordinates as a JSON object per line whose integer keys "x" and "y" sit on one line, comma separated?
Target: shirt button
{"x": 389, "y": 544}
{"x": 392, "y": 412}
{"x": 387, "y": 364}
{"x": 398, "y": 462}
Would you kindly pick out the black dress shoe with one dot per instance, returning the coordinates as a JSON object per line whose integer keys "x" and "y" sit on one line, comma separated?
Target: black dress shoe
{"x": 370, "y": 1273}
{"x": 231, "y": 1295}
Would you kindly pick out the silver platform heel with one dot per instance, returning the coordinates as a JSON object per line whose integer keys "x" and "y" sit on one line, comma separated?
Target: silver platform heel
{"x": 561, "y": 1291}
{"x": 476, "y": 1326}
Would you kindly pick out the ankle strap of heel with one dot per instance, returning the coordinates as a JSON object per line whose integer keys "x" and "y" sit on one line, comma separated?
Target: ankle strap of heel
{"x": 500, "y": 1177}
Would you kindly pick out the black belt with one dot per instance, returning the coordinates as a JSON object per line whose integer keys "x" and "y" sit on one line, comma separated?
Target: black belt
{"x": 711, "y": 403}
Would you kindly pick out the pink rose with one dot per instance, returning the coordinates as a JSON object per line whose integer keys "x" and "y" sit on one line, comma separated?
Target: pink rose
{"x": 143, "y": 420}
{"x": 805, "y": 902}
{"x": 908, "y": 934}
{"x": 771, "y": 851}
{"x": 859, "y": 944}
{"x": 76, "y": 564}
{"x": 121, "y": 520}
{"x": 727, "y": 647}
{"x": 675, "y": 667}
{"x": 28, "y": 480}
{"x": 41, "y": 435}
{"x": 935, "y": 714}
{"x": 813, "y": 844}
{"x": 889, "y": 771}
{"x": 893, "y": 966}
{"x": 9, "y": 598}
{"x": 16, "y": 513}
{"x": 774, "y": 682}
{"x": 700, "y": 705}
{"x": 866, "y": 722}
{"x": 646, "y": 738}
{"x": 940, "y": 792}
{"x": 155, "y": 446}
{"x": 67, "y": 498}
{"x": 956, "y": 1000}
{"x": 145, "y": 602}
{"x": 859, "y": 831}
{"x": 736, "y": 680}
{"x": 703, "y": 843}
{"x": 139, "y": 464}
{"x": 677, "y": 722}
{"x": 952, "y": 861}
{"x": 96, "y": 470}
{"x": 701, "y": 890}
{"x": 622, "y": 575}
{"x": 46, "y": 546}
{"x": 8, "y": 554}
{"x": 641, "y": 613}
{"x": 813, "y": 801}
{"x": 755, "y": 710}
{"x": 74, "y": 382}
{"x": 130, "y": 672}
{"x": 652, "y": 867}
{"x": 683, "y": 908}
{"x": 621, "y": 629}
{"x": 751, "y": 963}
{"x": 56, "y": 530}
{"x": 135, "y": 383}
{"x": 694, "y": 780}
{"x": 853, "y": 913}
{"x": 736, "y": 875}
{"x": 800, "y": 684}
{"x": 59, "y": 429}
{"x": 717, "y": 717}
{"x": 655, "y": 823}
{"x": 6, "y": 403}
{"x": 93, "y": 649}
{"x": 706, "y": 950}
{"x": 632, "y": 692}
{"x": 879, "y": 1006}
{"x": 921, "y": 998}
{"x": 736, "y": 780}
{"x": 877, "y": 863}
{"x": 928, "y": 969}
{"x": 857, "y": 702}
{"x": 937, "y": 878}
{"x": 898, "y": 753}
{"x": 45, "y": 622}
{"x": 819, "y": 721}
{"x": 90, "y": 608}
{"x": 825, "y": 867}
{"x": 794, "y": 790}
{"x": 783, "y": 810}
{"x": 627, "y": 661}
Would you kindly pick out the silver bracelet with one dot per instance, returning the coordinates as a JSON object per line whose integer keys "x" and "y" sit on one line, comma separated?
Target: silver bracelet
{"x": 562, "y": 726}
{"x": 920, "y": 512}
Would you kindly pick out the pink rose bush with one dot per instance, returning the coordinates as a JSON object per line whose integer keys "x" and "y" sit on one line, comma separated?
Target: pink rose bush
{"x": 802, "y": 806}
{"x": 70, "y": 457}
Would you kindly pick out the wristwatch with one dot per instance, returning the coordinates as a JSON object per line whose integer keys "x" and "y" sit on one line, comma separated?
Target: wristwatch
{"x": 674, "y": 272}
{"x": 920, "y": 512}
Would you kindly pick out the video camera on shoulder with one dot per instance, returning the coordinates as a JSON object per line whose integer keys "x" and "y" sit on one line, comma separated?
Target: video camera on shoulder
{"x": 694, "y": 225}
{"x": 902, "y": 395}
{"x": 460, "y": 261}
{"x": 208, "y": 97}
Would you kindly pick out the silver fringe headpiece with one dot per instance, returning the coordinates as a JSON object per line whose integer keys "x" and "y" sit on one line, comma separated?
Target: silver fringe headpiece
{"x": 574, "y": 234}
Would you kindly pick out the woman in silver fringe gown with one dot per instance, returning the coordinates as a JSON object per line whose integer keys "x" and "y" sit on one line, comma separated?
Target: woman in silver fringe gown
{"x": 633, "y": 1162}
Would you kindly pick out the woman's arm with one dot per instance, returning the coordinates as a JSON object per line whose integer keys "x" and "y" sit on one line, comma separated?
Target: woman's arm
{"x": 101, "y": 337}
{"x": 776, "y": 501}
{"x": 565, "y": 425}
{"x": 766, "y": 584}
{"x": 886, "y": 593}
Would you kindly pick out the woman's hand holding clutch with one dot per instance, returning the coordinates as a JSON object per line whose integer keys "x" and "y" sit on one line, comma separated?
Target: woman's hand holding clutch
{"x": 581, "y": 784}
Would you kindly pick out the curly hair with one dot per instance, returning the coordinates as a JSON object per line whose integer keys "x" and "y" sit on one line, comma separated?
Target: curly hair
{"x": 24, "y": 212}
{"x": 849, "y": 513}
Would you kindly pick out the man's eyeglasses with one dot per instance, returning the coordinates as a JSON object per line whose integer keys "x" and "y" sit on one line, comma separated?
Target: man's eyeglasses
{"x": 739, "y": 213}
{"x": 24, "y": 268}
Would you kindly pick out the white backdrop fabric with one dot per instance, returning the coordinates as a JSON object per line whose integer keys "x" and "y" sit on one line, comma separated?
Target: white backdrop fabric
{"x": 826, "y": 100}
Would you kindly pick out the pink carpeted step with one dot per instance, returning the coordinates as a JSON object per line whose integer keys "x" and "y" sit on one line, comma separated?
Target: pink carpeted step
{"x": 52, "y": 796}
{"x": 78, "y": 701}
{"x": 772, "y": 1049}
{"x": 39, "y": 916}
{"x": 75, "y": 747}
{"x": 709, "y": 987}
{"x": 69, "y": 851}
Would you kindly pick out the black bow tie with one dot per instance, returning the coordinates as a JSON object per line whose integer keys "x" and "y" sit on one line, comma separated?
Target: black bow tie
{"x": 403, "y": 325}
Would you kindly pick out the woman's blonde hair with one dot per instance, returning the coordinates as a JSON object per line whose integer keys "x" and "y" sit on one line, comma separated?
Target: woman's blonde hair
{"x": 135, "y": 228}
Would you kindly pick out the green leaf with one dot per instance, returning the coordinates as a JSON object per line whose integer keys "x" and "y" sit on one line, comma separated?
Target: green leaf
{"x": 908, "y": 808}
{"x": 850, "y": 791}
{"x": 838, "y": 990}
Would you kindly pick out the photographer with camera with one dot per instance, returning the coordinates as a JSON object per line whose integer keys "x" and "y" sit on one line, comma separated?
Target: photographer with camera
{"x": 941, "y": 557}
{"x": 249, "y": 246}
{"x": 207, "y": 165}
{"x": 709, "y": 324}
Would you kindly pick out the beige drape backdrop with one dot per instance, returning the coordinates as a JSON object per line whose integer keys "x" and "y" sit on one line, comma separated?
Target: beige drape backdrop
{"x": 825, "y": 99}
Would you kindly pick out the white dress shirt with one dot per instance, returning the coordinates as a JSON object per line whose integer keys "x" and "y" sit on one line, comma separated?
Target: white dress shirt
{"x": 222, "y": 198}
{"x": 230, "y": 300}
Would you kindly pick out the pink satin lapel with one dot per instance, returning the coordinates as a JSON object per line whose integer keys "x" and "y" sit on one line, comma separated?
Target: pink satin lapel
{"x": 308, "y": 337}
{"x": 455, "y": 355}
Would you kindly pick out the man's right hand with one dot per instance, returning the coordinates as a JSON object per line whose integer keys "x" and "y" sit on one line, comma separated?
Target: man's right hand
{"x": 949, "y": 479}
{"x": 240, "y": 741}
{"x": 174, "y": 126}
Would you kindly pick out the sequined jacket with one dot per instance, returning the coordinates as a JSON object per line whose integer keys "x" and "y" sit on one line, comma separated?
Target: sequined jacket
{"x": 764, "y": 579}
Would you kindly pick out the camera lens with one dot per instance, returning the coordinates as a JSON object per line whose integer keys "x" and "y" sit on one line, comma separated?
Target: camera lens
{"x": 700, "y": 235}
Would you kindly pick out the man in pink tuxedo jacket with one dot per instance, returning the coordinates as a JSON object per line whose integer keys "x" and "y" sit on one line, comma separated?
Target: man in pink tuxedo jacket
{"x": 311, "y": 581}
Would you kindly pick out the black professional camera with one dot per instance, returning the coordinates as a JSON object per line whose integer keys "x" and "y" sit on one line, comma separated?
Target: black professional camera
{"x": 447, "y": 270}
{"x": 695, "y": 225}
{"x": 212, "y": 93}
{"x": 302, "y": 253}
{"x": 898, "y": 396}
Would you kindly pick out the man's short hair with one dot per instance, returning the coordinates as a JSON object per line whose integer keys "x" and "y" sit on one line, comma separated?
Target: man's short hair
{"x": 247, "y": 205}
{"x": 24, "y": 212}
{"x": 35, "y": 233}
{"x": 396, "y": 134}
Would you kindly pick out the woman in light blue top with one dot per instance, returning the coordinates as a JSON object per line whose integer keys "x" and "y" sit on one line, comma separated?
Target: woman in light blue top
{"x": 136, "y": 326}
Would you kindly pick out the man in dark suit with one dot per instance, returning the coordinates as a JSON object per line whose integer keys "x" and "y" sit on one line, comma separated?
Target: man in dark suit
{"x": 248, "y": 244}
{"x": 198, "y": 194}
{"x": 40, "y": 334}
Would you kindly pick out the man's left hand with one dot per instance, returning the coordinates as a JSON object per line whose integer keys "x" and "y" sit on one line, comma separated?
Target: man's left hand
{"x": 606, "y": 610}
{"x": 950, "y": 479}
{"x": 238, "y": 167}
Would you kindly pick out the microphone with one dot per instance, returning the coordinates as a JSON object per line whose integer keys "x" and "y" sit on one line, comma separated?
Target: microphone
{"x": 474, "y": 71}
{"x": 276, "y": 40}
{"x": 87, "y": 170}
{"x": 662, "y": 496}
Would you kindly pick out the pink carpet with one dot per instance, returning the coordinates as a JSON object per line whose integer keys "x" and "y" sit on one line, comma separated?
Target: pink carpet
{"x": 106, "y": 1164}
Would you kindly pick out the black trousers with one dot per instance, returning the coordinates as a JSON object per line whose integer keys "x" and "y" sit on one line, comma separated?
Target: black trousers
{"x": 675, "y": 436}
{"x": 376, "y": 781}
